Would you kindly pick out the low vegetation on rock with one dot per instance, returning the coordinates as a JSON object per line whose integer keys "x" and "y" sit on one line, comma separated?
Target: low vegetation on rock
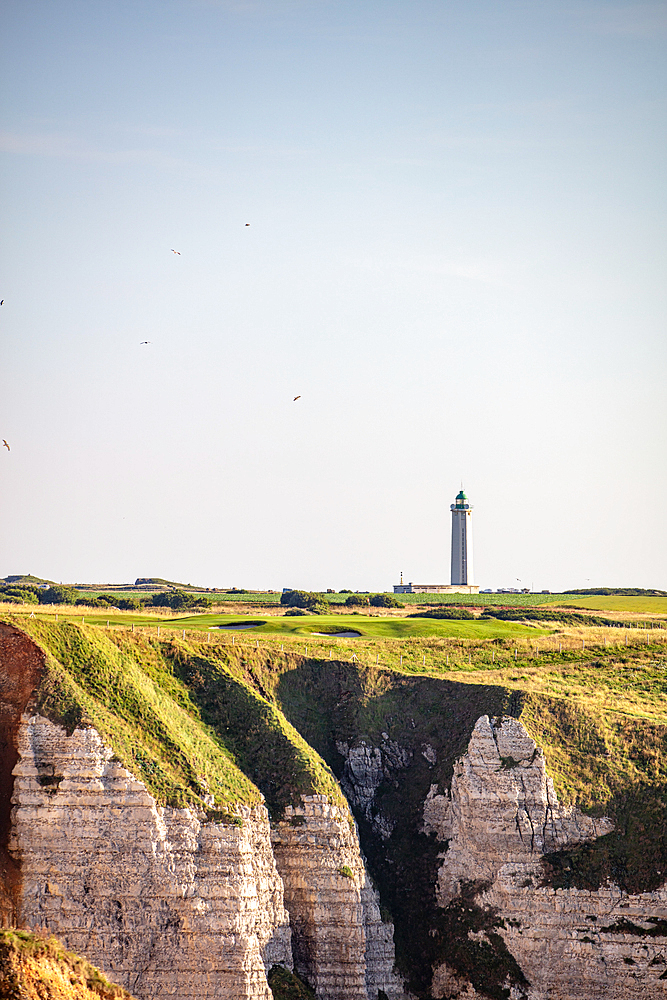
{"x": 35, "y": 967}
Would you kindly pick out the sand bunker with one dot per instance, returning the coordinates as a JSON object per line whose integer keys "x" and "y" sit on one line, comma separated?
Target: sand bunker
{"x": 339, "y": 635}
{"x": 234, "y": 626}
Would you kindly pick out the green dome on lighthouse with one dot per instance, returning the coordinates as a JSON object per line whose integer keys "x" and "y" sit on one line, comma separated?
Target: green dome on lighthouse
{"x": 461, "y": 496}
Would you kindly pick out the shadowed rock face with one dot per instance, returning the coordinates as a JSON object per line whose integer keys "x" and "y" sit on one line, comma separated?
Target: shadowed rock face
{"x": 21, "y": 669}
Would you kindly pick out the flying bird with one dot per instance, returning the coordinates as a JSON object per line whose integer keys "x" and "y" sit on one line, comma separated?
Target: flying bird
{"x": 295, "y": 399}
{"x": 145, "y": 342}
{"x": 6, "y": 445}
{"x": 177, "y": 251}
{"x": 247, "y": 223}
{"x": 2, "y": 302}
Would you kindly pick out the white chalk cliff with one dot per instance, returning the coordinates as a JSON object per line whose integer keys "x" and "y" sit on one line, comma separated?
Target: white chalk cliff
{"x": 499, "y": 818}
{"x": 170, "y": 905}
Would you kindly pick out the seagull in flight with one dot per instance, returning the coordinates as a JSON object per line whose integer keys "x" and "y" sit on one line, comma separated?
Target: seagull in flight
{"x": 145, "y": 342}
{"x": 6, "y": 445}
{"x": 177, "y": 251}
{"x": 295, "y": 399}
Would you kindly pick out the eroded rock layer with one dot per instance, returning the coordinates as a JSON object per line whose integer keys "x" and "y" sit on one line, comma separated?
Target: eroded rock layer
{"x": 499, "y": 819}
{"x": 167, "y": 905}
{"x": 341, "y": 946}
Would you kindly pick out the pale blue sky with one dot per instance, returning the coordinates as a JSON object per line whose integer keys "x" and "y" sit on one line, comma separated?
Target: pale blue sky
{"x": 456, "y": 257}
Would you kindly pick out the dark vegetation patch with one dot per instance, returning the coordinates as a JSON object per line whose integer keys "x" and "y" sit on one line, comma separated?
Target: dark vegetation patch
{"x": 625, "y": 926}
{"x": 385, "y": 601}
{"x": 306, "y": 600}
{"x": 454, "y": 613}
{"x": 483, "y": 959}
{"x": 633, "y": 855}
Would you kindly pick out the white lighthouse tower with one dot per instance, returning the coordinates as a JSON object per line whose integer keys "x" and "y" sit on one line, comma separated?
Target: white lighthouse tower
{"x": 462, "y": 567}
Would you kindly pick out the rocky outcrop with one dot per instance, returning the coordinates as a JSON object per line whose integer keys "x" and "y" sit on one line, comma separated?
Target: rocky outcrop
{"x": 365, "y": 768}
{"x": 499, "y": 819}
{"x": 166, "y": 904}
{"x": 340, "y": 944}
{"x": 21, "y": 669}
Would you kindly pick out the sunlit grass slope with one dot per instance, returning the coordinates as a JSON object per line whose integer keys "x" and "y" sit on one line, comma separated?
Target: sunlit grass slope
{"x": 33, "y": 967}
{"x": 177, "y": 717}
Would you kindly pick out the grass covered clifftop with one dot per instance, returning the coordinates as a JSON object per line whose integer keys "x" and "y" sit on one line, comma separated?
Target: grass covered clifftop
{"x": 197, "y": 719}
{"x": 179, "y": 716}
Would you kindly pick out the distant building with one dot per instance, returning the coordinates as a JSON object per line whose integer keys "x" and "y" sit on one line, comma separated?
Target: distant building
{"x": 432, "y": 588}
{"x": 462, "y": 571}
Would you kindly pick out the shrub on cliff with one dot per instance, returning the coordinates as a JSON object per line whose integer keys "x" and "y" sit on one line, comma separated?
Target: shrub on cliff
{"x": 286, "y": 985}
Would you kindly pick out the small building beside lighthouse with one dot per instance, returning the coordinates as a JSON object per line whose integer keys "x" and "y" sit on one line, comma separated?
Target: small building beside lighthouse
{"x": 462, "y": 575}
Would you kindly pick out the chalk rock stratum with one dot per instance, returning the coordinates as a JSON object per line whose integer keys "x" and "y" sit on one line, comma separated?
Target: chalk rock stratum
{"x": 499, "y": 819}
{"x": 173, "y": 906}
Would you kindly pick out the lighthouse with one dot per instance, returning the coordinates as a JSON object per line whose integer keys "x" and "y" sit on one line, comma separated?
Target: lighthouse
{"x": 462, "y": 568}
{"x": 462, "y": 573}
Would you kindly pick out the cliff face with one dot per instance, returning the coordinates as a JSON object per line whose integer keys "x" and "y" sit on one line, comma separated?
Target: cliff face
{"x": 499, "y": 819}
{"x": 173, "y": 906}
{"x": 168, "y": 905}
{"x": 496, "y": 824}
{"x": 341, "y": 946}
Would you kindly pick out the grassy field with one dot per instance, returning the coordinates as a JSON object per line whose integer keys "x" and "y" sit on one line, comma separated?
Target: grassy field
{"x": 368, "y": 627}
{"x": 407, "y": 644}
{"x": 612, "y": 603}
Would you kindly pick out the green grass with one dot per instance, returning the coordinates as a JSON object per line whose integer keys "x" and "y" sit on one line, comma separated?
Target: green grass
{"x": 20, "y": 947}
{"x": 370, "y": 627}
{"x": 641, "y": 605}
{"x": 286, "y": 985}
{"x": 181, "y": 717}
